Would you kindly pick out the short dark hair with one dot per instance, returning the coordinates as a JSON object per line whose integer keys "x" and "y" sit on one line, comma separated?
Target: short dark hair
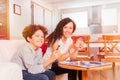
{"x": 31, "y": 29}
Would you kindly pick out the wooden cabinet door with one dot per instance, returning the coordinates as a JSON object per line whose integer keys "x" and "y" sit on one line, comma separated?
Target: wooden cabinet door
{"x": 4, "y": 27}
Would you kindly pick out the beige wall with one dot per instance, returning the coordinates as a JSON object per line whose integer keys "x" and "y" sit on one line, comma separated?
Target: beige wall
{"x": 94, "y": 11}
{"x": 18, "y": 22}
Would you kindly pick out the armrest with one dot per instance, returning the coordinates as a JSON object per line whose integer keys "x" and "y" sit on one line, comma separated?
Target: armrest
{"x": 10, "y": 71}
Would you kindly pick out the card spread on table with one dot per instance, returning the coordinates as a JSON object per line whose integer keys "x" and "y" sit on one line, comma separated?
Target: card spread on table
{"x": 86, "y": 64}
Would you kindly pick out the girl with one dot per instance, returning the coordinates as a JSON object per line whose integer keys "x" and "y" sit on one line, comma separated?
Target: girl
{"x": 61, "y": 37}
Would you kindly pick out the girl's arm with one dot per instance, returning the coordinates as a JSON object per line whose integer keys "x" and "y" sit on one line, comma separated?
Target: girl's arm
{"x": 63, "y": 56}
{"x": 78, "y": 45}
{"x": 72, "y": 51}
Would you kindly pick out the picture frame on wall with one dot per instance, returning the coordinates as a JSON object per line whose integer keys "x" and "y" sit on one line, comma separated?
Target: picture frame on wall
{"x": 17, "y": 9}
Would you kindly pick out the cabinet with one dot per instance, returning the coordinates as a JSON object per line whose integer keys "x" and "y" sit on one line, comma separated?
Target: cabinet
{"x": 4, "y": 18}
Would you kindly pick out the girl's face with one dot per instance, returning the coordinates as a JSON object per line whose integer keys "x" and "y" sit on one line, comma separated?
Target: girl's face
{"x": 68, "y": 29}
{"x": 37, "y": 39}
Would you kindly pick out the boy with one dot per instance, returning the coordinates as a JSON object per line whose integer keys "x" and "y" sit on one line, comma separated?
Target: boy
{"x": 29, "y": 56}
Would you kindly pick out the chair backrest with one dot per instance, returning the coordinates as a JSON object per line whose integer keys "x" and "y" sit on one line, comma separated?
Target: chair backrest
{"x": 112, "y": 47}
{"x": 86, "y": 50}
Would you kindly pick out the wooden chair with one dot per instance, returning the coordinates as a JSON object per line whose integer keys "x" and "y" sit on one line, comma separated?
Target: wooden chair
{"x": 102, "y": 49}
{"x": 84, "y": 53}
{"x": 112, "y": 50}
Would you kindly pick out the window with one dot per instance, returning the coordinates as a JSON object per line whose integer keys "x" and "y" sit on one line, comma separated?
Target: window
{"x": 109, "y": 17}
{"x": 80, "y": 18}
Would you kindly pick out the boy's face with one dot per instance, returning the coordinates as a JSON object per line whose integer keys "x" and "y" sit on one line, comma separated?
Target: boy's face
{"x": 37, "y": 39}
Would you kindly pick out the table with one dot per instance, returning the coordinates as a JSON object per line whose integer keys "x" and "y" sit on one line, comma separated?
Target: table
{"x": 84, "y": 70}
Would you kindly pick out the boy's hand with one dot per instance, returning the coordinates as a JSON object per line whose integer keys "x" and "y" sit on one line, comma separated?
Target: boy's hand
{"x": 55, "y": 54}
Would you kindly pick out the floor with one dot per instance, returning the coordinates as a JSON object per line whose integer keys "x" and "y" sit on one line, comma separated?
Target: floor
{"x": 105, "y": 74}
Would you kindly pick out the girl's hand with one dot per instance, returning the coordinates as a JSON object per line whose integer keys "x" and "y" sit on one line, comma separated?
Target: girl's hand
{"x": 74, "y": 49}
{"x": 79, "y": 43}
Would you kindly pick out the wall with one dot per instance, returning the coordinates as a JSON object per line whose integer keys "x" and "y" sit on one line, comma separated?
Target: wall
{"x": 82, "y": 31}
{"x": 55, "y": 13}
{"x": 18, "y": 22}
{"x": 79, "y": 31}
{"x": 112, "y": 28}
{"x": 94, "y": 11}
{"x": 119, "y": 20}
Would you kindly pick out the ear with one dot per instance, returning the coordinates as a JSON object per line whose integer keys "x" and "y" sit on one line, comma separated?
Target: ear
{"x": 29, "y": 39}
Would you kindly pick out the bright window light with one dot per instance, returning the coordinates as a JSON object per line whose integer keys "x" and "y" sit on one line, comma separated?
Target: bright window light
{"x": 80, "y": 18}
{"x": 109, "y": 17}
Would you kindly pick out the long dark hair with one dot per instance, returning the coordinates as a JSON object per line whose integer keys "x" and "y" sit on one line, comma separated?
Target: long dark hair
{"x": 58, "y": 32}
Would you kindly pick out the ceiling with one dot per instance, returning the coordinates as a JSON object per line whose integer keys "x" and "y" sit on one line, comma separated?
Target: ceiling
{"x": 64, "y": 4}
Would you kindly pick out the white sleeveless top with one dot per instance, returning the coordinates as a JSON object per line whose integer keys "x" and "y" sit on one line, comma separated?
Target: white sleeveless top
{"x": 64, "y": 46}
